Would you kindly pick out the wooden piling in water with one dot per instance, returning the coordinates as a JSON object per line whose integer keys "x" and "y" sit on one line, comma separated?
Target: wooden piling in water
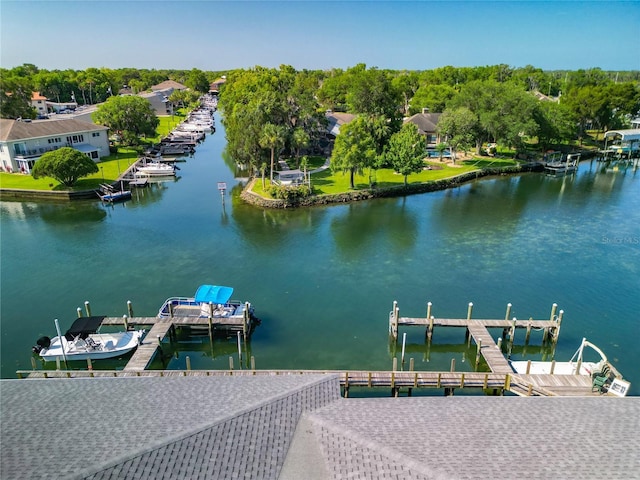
{"x": 130, "y": 308}
{"x": 87, "y": 307}
{"x": 188, "y": 360}
{"x": 508, "y": 314}
{"x": 125, "y": 322}
{"x": 79, "y": 312}
{"x": 478, "y": 353}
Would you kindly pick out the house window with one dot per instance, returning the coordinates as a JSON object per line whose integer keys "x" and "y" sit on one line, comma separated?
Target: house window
{"x": 20, "y": 149}
{"x": 95, "y": 134}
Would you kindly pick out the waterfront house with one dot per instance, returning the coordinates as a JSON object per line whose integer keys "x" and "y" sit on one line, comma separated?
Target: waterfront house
{"x": 427, "y": 124}
{"x": 215, "y": 86}
{"x": 170, "y": 85}
{"x": 24, "y": 142}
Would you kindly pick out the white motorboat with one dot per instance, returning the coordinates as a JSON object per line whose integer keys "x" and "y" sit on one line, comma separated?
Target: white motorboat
{"x": 155, "y": 169}
{"x": 83, "y": 341}
{"x": 604, "y": 376}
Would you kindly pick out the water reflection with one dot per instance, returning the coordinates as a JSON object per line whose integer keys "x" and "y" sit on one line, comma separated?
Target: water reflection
{"x": 368, "y": 226}
{"x": 63, "y": 213}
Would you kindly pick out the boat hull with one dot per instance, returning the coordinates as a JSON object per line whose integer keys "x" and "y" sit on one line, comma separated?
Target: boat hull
{"x": 96, "y": 346}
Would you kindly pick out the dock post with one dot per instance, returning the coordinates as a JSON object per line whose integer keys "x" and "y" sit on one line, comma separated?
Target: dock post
{"x": 245, "y": 321}
{"x": 478, "y": 352}
{"x": 428, "y": 332}
{"x": 239, "y": 350}
{"x": 211, "y": 330}
{"x": 87, "y": 307}
{"x": 526, "y": 337}
{"x": 188, "y": 360}
{"x": 395, "y": 364}
{"x": 556, "y": 333}
{"x": 554, "y": 307}
{"x": 508, "y": 314}
{"x": 404, "y": 341}
{"x": 528, "y": 367}
{"x": 79, "y": 310}
{"x": 230, "y": 362}
{"x": 57, "y": 363}
{"x": 253, "y": 364}
{"x": 553, "y": 367}
{"x": 171, "y": 310}
{"x": 453, "y": 364}
{"x": 126, "y": 323}
{"x": 499, "y": 345}
{"x": 431, "y": 319}
{"x": 129, "y": 308}
{"x": 411, "y": 364}
{"x": 159, "y": 340}
{"x": 33, "y": 363}
{"x": 469, "y": 310}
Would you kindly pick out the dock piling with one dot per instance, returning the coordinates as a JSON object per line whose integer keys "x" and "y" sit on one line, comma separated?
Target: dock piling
{"x": 188, "y": 360}
{"x": 508, "y": 314}
{"x": 469, "y": 310}
{"x": 554, "y": 307}
{"x": 79, "y": 311}
{"x": 87, "y": 307}
{"x": 129, "y": 308}
{"x": 125, "y": 322}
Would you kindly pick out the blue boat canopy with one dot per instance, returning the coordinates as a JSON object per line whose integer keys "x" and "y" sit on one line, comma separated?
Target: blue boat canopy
{"x": 213, "y": 294}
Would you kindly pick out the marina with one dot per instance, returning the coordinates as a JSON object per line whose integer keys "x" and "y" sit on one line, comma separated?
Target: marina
{"x": 502, "y": 376}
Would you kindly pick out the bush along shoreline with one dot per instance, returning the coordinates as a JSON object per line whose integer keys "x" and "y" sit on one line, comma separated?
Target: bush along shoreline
{"x": 397, "y": 191}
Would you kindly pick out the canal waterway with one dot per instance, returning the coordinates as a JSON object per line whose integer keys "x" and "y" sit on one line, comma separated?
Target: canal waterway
{"x": 323, "y": 279}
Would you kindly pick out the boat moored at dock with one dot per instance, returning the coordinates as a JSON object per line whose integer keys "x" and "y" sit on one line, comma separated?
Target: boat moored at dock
{"x": 83, "y": 341}
{"x": 209, "y": 301}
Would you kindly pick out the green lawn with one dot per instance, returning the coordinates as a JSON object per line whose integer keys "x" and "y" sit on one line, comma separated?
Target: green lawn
{"x": 326, "y": 182}
{"x": 109, "y": 169}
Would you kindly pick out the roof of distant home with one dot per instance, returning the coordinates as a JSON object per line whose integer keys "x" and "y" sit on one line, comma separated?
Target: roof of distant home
{"x": 11, "y": 130}
{"x": 426, "y": 122}
{"x": 168, "y": 84}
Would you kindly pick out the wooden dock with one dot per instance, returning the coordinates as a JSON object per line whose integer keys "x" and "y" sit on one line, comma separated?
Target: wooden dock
{"x": 499, "y": 379}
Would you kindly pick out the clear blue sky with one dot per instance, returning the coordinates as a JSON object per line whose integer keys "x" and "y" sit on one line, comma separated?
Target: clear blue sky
{"x": 221, "y": 35}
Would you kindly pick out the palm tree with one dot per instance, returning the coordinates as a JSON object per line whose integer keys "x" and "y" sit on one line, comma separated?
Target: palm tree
{"x": 263, "y": 169}
{"x": 299, "y": 139}
{"x": 272, "y": 137}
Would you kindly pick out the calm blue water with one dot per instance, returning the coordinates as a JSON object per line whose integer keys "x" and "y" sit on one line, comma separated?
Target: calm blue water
{"x": 323, "y": 279}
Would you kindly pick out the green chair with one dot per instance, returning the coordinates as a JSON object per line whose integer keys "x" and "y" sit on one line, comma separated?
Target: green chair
{"x": 601, "y": 379}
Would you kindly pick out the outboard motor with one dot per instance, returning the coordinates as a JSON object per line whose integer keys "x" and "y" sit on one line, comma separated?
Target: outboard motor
{"x": 42, "y": 342}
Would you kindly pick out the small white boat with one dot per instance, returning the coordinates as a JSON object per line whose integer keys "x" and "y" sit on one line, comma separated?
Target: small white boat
{"x": 605, "y": 378}
{"x": 561, "y": 167}
{"x": 109, "y": 194}
{"x": 155, "y": 169}
{"x": 82, "y": 341}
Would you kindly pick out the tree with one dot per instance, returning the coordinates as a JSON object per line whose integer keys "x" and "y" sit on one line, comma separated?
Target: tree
{"x": 460, "y": 127}
{"x": 130, "y": 116}
{"x": 65, "y": 164}
{"x": 197, "y": 80}
{"x": 272, "y": 137}
{"x": 406, "y": 150}
{"x": 299, "y": 139}
{"x": 15, "y": 97}
{"x": 354, "y": 149}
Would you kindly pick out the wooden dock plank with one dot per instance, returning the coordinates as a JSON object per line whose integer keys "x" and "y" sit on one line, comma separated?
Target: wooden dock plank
{"x": 147, "y": 349}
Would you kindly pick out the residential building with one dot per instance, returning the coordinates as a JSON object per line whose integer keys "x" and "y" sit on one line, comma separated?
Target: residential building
{"x": 39, "y": 102}
{"x": 24, "y": 142}
{"x": 215, "y": 86}
{"x": 427, "y": 124}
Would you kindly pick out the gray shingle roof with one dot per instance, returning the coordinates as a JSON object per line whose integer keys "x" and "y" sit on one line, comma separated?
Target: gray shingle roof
{"x": 155, "y": 428}
{"x": 426, "y": 122}
{"x": 11, "y": 130}
{"x": 297, "y": 426}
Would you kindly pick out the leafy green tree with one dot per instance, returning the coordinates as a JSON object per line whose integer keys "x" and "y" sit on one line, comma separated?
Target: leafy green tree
{"x": 440, "y": 148}
{"x": 272, "y": 137}
{"x": 406, "y": 151}
{"x": 459, "y": 126}
{"x": 406, "y": 84}
{"x": 354, "y": 149}
{"x": 15, "y": 97}
{"x": 556, "y": 124}
{"x": 197, "y": 80}
{"x": 371, "y": 93}
{"x": 65, "y": 164}
{"x": 130, "y": 116}
{"x": 433, "y": 97}
{"x": 299, "y": 139}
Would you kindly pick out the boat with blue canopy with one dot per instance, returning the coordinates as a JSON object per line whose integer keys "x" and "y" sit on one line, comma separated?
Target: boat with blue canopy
{"x": 209, "y": 301}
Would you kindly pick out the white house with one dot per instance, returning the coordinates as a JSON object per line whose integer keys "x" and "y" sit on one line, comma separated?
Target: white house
{"x": 24, "y": 142}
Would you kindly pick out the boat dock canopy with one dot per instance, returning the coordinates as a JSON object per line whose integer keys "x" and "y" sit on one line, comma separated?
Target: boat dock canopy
{"x": 632, "y": 134}
{"x": 213, "y": 294}
{"x": 84, "y": 326}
